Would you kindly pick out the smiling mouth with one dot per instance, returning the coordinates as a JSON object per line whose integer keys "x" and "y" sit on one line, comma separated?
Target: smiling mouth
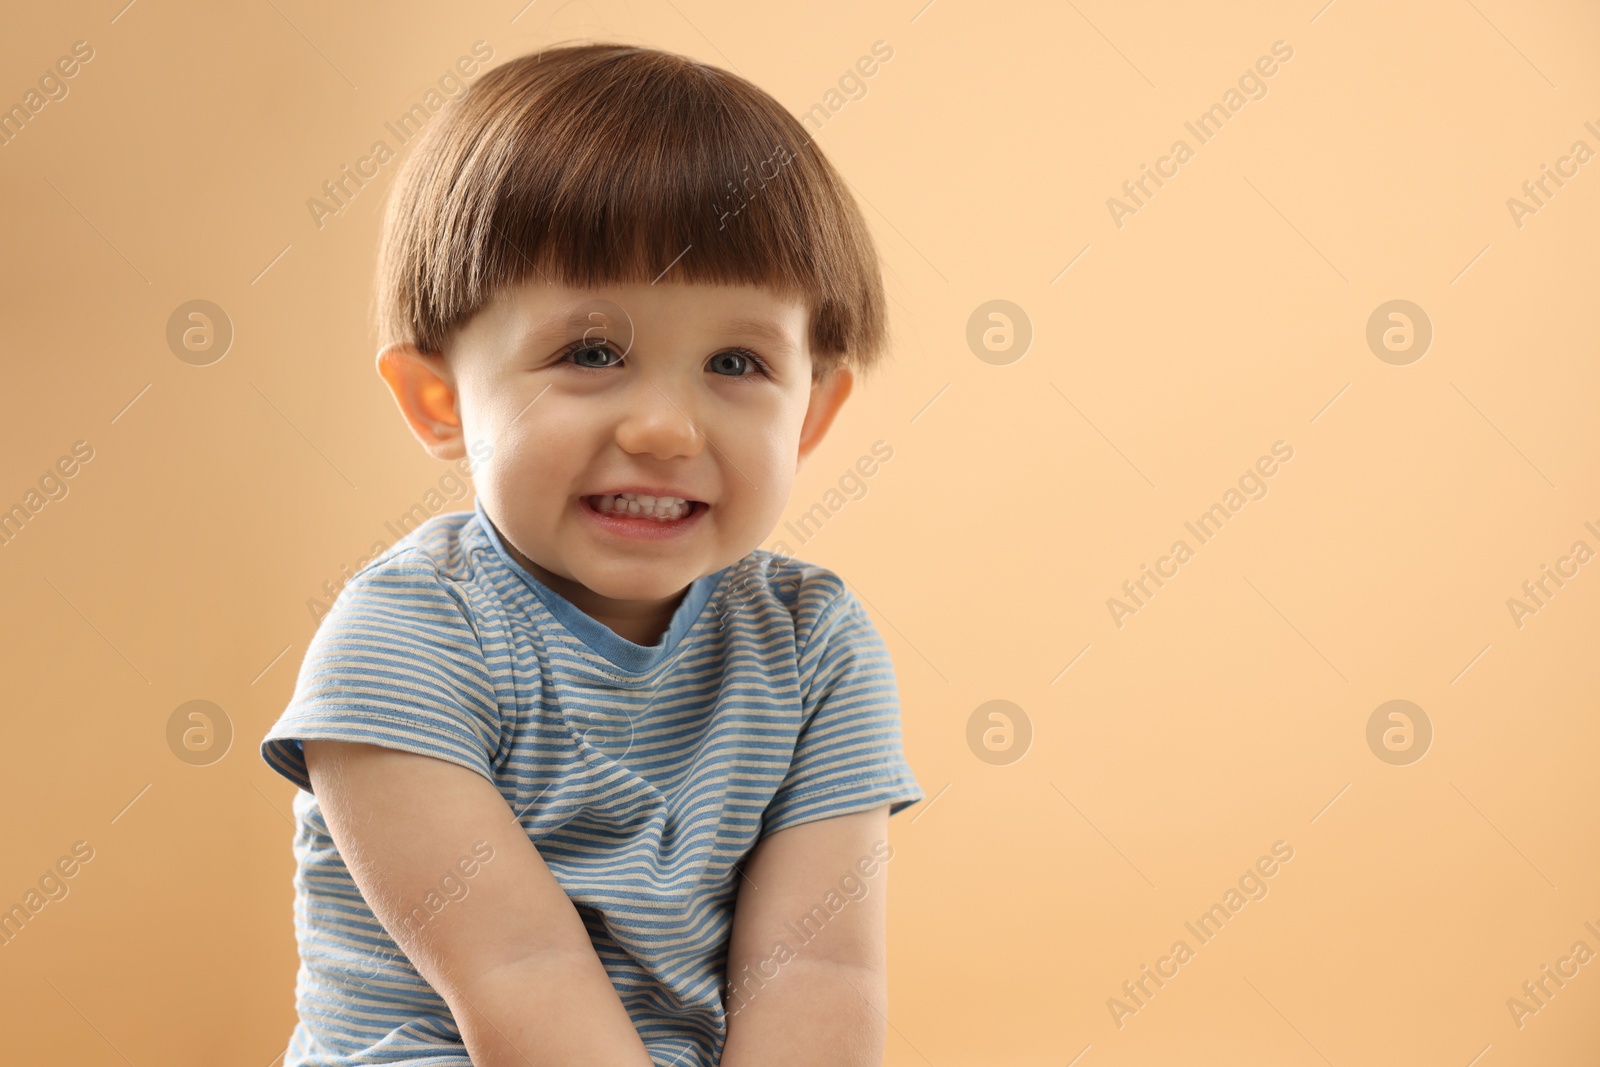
{"x": 636, "y": 506}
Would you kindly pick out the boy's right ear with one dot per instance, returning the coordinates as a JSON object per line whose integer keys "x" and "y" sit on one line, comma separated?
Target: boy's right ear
{"x": 424, "y": 388}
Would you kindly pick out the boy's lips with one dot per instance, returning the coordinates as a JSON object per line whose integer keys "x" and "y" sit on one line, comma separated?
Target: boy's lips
{"x": 643, "y": 516}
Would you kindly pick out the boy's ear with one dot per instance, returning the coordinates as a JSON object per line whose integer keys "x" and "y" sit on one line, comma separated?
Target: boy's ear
{"x": 424, "y": 389}
{"x": 828, "y": 394}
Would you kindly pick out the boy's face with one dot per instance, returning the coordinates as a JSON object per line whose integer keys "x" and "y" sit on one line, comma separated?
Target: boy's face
{"x": 586, "y": 394}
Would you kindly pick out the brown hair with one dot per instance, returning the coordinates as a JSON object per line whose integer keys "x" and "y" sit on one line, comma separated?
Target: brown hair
{"x": 600, "y": 164}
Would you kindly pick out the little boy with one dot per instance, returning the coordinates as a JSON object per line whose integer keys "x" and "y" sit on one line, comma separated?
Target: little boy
{"x": 586, "y": 776}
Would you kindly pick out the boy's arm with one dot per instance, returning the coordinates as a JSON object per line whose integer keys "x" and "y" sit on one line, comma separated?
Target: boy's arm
{"x": 511, "y": 957}
{"x": 826, "y": 1006}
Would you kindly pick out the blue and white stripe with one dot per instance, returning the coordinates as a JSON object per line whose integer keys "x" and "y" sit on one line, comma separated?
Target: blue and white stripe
{"x": 642, "y": 774}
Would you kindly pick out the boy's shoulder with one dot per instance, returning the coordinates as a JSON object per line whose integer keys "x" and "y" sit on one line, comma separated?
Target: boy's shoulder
{"x": 812, "y": 593}
{"x": 443, "y": 551}
{"x": 445, "y": 543}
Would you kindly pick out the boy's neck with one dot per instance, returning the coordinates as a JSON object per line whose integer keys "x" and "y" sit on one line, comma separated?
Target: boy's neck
{"x": 640, "y": 621}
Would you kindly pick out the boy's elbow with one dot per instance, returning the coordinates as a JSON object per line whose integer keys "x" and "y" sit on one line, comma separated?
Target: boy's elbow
{"x": 519, "y": 968}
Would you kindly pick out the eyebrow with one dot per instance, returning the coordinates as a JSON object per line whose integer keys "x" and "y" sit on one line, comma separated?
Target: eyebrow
{"x": 763, "y": 329}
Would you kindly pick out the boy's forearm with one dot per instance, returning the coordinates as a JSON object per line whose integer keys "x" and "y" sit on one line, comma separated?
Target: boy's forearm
{"x": 811, "y": 1014}
{"x": 555, "y": 1011}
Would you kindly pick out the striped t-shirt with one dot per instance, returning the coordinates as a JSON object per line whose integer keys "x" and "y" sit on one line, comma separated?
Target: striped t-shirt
{"x": 643, "y": 774}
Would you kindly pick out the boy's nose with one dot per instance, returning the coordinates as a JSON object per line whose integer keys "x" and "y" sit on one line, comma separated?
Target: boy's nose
{"x": 658, "y": 425}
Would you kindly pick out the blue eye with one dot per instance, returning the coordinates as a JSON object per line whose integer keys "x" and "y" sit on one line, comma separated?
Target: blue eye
{"x": 735, "y": 361}
{"x": 580, "y": 355}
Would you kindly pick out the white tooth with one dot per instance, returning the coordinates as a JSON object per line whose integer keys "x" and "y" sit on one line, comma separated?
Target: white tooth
{"x": 660, "y": 512}
{"x": 659, "y": 509}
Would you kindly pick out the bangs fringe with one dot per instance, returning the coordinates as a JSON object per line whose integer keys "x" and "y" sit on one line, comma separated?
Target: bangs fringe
{"x": 596, "y": 165}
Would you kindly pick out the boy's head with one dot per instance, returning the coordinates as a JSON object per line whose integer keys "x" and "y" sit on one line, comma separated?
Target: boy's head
{"x": 624, "y": 270}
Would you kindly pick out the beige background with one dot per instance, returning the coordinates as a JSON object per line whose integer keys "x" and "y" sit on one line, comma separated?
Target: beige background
{"x": 1228, "y": 313}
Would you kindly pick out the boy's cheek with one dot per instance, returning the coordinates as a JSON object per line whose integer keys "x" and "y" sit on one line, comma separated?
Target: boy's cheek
{"x": 773, "y": 487}
{"x": 532, "y": 449}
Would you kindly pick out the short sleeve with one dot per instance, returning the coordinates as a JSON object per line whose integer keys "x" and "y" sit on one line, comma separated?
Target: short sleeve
{"x": 396, "y": 662}
{"x": 849, "y": 755}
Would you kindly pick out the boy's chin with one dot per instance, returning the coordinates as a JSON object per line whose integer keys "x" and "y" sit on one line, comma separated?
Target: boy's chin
{"x": 643, "y": 581}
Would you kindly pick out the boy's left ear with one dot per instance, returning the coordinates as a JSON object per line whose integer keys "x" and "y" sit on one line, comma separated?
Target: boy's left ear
{"x": 828, "y": 394}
